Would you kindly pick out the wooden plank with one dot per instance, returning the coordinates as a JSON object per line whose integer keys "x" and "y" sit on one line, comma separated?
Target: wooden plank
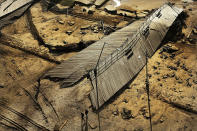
{"x": 9, "y": 13}
{"x": 10, "y": 6}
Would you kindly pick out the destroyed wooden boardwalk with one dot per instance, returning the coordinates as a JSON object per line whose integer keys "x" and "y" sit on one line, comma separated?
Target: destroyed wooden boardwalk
{"x": 122, "y": 58}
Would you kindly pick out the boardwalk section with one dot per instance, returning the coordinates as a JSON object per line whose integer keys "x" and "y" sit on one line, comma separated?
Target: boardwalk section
{"x": 120, "y": 67}
{"x": 12, "y": 9}
{"x": 74, "y": 69}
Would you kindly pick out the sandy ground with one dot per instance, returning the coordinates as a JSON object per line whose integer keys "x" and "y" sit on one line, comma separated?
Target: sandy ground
{"x": 173, "y": 81}
{"x": 140, "y": 4}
